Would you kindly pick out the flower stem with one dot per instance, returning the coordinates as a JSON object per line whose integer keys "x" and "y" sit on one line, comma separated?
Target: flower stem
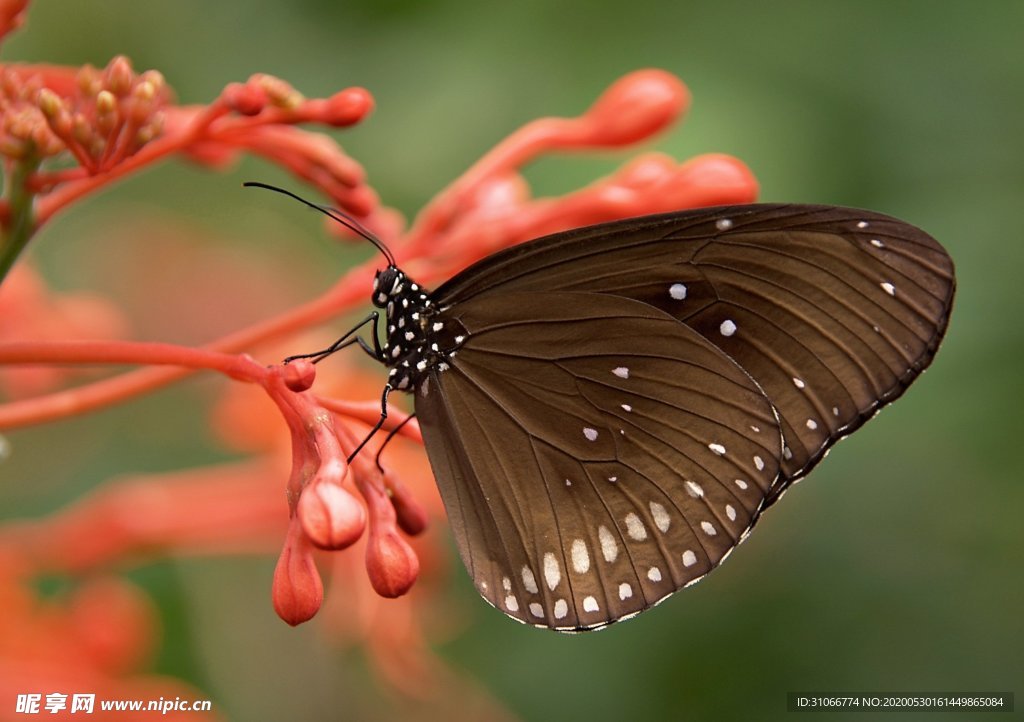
{"x": 22, "y": 219}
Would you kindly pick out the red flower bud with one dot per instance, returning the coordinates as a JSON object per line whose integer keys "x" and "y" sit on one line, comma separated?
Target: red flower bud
{"x": 12, "y": 15}
{"x": 348, "y": 106}
{"x": 279, "y": 92}
{"x": 637, "y": 106}
{"x": 411, "y": 516}
{"x": 89, "y": 80}
{"x": 391, "y": 563}
{"x": 247, "y": 99}
{"x": 729, "y": 177}
{"x": 114, "y": 622}
{"x": 331, "y": 517}
{"x": 299, "y": 375}
{"x": 118, "y": 76}
{"x": 297, "y": 591}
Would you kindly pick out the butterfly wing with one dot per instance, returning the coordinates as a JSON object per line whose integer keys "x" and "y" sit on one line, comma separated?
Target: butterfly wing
{"x": 594, "y": 454}
{"x": 832, "y": 311}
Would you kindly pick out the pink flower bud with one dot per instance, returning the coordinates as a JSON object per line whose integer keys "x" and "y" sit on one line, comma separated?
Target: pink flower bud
{"x": 391, "y": 563}
{"x": 297, "y": 591}
{"x": 299, "y": 375}
{"x": 637, "y": 106}
{"x": 331, "y": 517}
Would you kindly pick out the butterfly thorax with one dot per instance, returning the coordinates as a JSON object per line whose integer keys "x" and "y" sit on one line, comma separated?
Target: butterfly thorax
{"x": 418, "y": 338}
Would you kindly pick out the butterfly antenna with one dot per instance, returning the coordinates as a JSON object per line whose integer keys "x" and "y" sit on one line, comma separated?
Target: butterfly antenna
{"x": 340, "y": 216}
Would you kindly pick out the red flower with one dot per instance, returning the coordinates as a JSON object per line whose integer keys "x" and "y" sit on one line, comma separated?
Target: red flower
{"x": 92, "y": 639}
{"x": 116, "y": 121}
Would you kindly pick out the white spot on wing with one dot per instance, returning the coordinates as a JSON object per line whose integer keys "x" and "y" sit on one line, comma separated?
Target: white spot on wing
{"x": 529, "y": 582}
{"x": 889, "y": 288}
{"x": 661, "y": 518}
{"x": 580, "y": 557}
{"x": 708, "y": 528}
{"x": 625, "y": 591}
{"x": 741, "y": 484}
{"x": 759, "y": 463}
{"x": 730, "y": 512}
{"x": 590, "y": 433}
{"x": 511, "y": 603}
{"x": 635, "y": 528}
{"x": 798, "y": 383}
{"x": 609, "y": 549}
{"x": 561, "y": 609}
{"x": 862, "y": 224}
{"x": 812, "y": 424}
{"x": 552, "y": 574}
{"x": 689, "y": 558}
{"x": 536, "y": 609}
{"x": 590, "y": 604}
{"x": 627, "y": 408}
{"x": 723, "y": 224}
{"x": 677, "y": 291}
{"x": 695, "y": 490}
{"x": 654, "y": 574}
{"x": 717, "y": 448}
{"x": 621, "y": 371}
{"x": 877, "y": 243}
{"x": 728, "y": 328}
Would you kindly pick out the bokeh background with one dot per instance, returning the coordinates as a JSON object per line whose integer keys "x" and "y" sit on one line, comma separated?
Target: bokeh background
{"x": 896, "y": 567}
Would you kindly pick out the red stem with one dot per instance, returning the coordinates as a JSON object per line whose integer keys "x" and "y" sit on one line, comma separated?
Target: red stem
{"x": 41, "y": 409}
{"x": 129, "y": 352}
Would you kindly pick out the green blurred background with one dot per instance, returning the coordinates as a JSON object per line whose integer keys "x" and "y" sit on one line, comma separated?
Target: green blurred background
{"x": 896, "y": 567}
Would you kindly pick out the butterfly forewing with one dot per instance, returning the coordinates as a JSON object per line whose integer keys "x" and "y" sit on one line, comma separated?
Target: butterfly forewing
{"x": 593, "y": 453}
{"x": 833, "y": 312}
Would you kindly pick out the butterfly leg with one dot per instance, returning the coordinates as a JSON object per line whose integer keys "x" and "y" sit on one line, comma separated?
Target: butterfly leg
{"x": 380, "y": 422}
{"x": 347, "y": 340}
{"x": 391, "y": 435}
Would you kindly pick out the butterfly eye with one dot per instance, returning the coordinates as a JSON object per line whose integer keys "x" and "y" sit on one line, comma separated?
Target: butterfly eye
{"x": 383, "y": 285}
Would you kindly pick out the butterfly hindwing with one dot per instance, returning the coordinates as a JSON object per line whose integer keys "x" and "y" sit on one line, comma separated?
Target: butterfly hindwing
{"x": 596, "y": 463}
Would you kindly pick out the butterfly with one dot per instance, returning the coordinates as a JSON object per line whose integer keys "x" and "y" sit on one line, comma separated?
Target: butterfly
{"x": 609, "y": 410}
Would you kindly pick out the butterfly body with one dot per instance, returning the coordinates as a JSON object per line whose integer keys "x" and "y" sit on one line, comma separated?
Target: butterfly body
{"x": 609, "y": 410}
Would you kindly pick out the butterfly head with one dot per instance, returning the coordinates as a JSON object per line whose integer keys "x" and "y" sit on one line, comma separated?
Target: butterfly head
{"x": 386, "y": 286}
